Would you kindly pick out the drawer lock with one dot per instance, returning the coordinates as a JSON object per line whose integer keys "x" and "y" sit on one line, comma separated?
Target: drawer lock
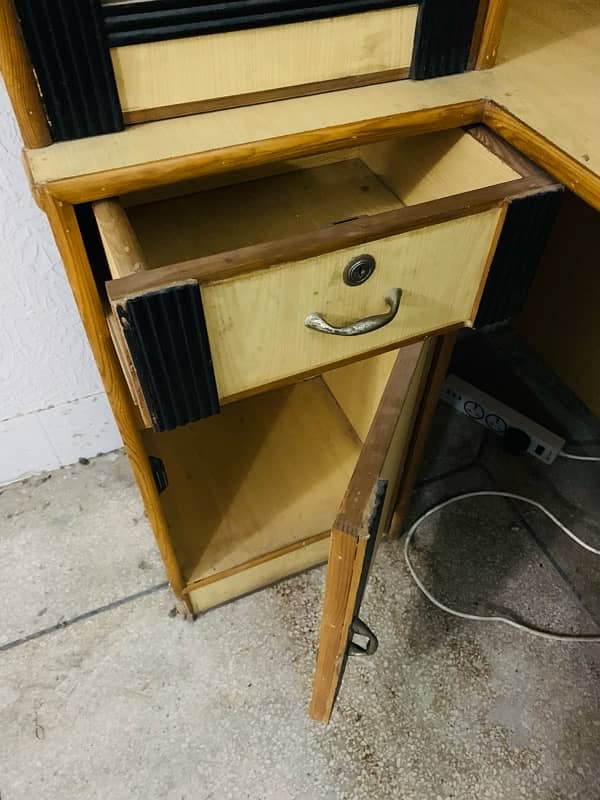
{"x": 359, "y": 270}
{"x": 392, "y": 299}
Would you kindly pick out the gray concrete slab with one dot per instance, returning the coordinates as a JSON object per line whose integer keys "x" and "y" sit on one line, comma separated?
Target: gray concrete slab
{"x": 571, "y": 491}
{"x": 127, "y": 701}
{"x": 132, "y": 703}
{"x": 70, "y": 541}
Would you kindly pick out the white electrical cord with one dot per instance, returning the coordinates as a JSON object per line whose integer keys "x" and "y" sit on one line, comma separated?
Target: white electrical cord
{"x": 561, "y": 637}
{"x": 562, "y": 454}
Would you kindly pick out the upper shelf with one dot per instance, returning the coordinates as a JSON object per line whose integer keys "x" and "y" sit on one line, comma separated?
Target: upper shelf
{"x": 546, "y": 79}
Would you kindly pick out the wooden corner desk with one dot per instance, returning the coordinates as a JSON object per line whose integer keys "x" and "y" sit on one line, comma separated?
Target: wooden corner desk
{"x": 263, "y": 479}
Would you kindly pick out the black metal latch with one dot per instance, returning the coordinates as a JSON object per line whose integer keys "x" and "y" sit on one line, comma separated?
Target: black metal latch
{"x": 360, "y": 629}
{"x": 159, "y": 473}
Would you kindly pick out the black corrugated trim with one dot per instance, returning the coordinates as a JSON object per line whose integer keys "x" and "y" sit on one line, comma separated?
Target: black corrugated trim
{"x": 443, "y": 37}
{"x": 155, "y": 20}
{"x": 166, "y": 334}
{"x": 526, "y": 228}
{"x": 69, "y": 51}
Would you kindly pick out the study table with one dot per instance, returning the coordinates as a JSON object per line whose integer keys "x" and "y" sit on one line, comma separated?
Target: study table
{"x": 384, "y": 213}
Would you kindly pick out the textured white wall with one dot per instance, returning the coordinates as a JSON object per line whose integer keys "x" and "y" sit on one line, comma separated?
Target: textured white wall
{"x": 52, "y": 406}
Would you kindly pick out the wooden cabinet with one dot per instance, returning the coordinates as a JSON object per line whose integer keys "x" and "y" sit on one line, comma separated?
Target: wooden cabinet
{"x": 271, "y": 292}
{"x": 250, "y": 494}
{"x": 243, "y": 283}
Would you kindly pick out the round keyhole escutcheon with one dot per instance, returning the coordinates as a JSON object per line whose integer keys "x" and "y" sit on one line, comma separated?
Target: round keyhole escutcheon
{"x": 359, "y": 270}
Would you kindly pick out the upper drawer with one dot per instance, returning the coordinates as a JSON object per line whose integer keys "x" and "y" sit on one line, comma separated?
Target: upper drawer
{"x": 102, "y": 64}
{"x": 283, "y": 271}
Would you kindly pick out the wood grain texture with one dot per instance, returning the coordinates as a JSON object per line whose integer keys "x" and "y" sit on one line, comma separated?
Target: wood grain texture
{"x": 420, "y": 432}
{"x": 436, "y": 293}
{"x": 493, "y": 26}
{"x": 19, "y": 79}
{"x": 357, "y": 388}
{"x": 259, "y": 561}
{"x": 478, "y": 33}
{"x": 560, "y": 321}
{"x": 72, "y": 250}
{"x": 495, "y": 145}
{"x": 179, "y": 71}
{"x": 423, "y": 168}
{"x": 578, "y": 178}
{"x": 280, "y": 565}
{"x": 266, "y": 473}
{"x": 344, "y": 569}
{"x": 129, "y": 371}
{"x": 272, "y": 208}
{"x": 352, "y": 233}
{"x": 350, "y": 532}
{"x": 267, "y": 96}
{"x": 121, "y": 245}
{"x": 136, "y": 162}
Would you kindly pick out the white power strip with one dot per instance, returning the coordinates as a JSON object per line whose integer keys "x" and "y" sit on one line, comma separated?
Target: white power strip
{"x": 497, "y": 417}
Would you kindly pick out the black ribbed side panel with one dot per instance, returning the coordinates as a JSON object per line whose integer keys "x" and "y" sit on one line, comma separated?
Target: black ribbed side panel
{"x": 154, "y": 20}
{"x": 443, "y": 37}
{"x": 69, "y": 50}
{"x": 527, "y": 226}
{"x": 167, "y": 338}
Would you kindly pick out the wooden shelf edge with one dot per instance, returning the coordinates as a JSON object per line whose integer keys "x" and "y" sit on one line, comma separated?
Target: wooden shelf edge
{"x": 110, "y": 183}
{"x": 256, "y": 562}
{"x": 575, "y": 176}
{"x": 278, "y": 566}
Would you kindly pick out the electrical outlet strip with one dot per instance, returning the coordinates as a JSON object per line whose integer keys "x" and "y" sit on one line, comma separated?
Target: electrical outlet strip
{"x": 497, "y": 417}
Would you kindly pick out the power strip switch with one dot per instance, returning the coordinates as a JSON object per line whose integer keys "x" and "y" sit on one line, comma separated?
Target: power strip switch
{"x": 506, "y": 422}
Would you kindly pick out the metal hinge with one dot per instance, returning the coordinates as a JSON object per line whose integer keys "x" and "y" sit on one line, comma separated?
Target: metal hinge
{"x": 359, "y": 628}
{"x": 159, "y": 473}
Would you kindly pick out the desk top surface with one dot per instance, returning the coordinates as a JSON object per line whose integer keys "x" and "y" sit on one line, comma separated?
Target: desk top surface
{"x": 546, "y": 78}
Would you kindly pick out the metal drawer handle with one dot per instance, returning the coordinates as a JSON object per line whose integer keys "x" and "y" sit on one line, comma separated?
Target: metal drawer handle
{"x": 366, "y": 325}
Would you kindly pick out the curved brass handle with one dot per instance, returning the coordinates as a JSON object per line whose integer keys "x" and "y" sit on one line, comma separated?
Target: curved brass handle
{"x": 366, "y": 325}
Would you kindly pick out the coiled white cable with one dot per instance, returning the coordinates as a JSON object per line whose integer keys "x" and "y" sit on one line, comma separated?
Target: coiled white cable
{"x": 561, "y": 637}
{"x": 572, "y": 456}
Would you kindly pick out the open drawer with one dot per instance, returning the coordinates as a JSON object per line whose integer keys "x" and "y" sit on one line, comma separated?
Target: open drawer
{"x": 250, "y": 494}
{"x": 238, "y": 283}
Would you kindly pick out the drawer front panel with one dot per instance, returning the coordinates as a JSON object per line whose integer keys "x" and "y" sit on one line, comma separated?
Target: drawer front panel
{"x": 171, "y": 73}
{"x": 256, "y": 325}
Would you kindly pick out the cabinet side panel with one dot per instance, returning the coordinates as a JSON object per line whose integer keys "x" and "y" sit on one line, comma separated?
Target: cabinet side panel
{"x": 526, "y": 228}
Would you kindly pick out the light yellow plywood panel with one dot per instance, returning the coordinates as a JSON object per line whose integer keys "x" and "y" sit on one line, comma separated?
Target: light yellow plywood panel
{"x": 256, "y": 322}
{"x": 358, "y": 387}
{"x": 175, "y": 71}
{"x": 258, "y": 576}
{"x": 422, "y": 168}
{"x": 265, "y": 473}
{"x": 172, "y": 138}
{"x": 258, "y": 211}
{"x": 547, "y": 73}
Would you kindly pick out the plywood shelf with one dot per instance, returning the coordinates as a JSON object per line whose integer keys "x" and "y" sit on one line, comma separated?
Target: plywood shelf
{"x": 256, "y": 211}
{"x": 257, "y": 487}
{"x": 265, "y": 473}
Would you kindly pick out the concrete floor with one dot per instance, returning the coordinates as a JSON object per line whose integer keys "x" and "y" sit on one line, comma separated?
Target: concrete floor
{"x": 105, "y": 694}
